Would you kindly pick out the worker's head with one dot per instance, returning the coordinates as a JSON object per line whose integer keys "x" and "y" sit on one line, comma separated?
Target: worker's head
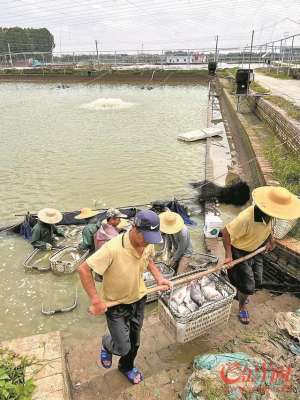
{"x": 50, "y": 216}
{"x": 145, "y": 228}
{"x": 170, "y": 222}
{"x": 277, "y": 202}
{"x": 113, "y": 216}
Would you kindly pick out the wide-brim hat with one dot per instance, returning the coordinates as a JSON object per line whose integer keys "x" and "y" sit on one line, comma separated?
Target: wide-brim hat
{"x": 50, "y": 216}
{"x": 170, "y": 222}
{"x": 86, "y": 213}
{"x": 277, "y": 202}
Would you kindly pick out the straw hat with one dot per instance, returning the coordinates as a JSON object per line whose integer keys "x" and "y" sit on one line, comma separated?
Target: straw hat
{"x": 170, "y": 222}
{"x": 50, "y": 216}
{"x": 86, "y": 213}
{"x": 277, "y": 202}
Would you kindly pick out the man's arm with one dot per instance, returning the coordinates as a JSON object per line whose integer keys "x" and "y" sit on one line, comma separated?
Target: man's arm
{"x": 160, "y": 280}
{"x": 227, "y": 245}
{"x": 97, "y": 306}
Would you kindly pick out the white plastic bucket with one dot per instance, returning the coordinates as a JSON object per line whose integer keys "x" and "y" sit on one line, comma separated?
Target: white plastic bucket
{"x": 213, "y": 225}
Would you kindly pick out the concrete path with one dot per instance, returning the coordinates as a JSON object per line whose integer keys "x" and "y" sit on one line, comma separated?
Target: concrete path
{"x": 287, "y": 88}
{"x": 167, "y": 364}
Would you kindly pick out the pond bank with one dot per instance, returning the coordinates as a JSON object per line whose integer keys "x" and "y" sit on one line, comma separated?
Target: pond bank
{"x": 144, "y": 77}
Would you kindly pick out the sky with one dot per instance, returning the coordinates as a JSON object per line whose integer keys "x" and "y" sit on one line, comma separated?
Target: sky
{"x": 154, "y": 24}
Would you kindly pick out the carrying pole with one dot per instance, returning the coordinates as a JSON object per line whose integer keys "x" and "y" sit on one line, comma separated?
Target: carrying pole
{"x": 199, "y": 275}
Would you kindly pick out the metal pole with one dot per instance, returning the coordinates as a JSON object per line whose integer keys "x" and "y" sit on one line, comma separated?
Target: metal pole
{"x": 96, "y": 42}
{"x": 292, "y": 55}
{"x": 216, "y": 51}
{"x": 280, "y": 51}
{"x": 9, "y": 52}
{"x": 251, "y": 48}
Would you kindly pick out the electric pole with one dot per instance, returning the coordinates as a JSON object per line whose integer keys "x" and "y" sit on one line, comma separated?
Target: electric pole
{"x": 9, "y": 52}
{"x": 96, "y": 42}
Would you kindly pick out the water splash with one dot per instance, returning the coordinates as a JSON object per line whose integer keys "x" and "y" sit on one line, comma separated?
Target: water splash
{"x": 107, "y": 104}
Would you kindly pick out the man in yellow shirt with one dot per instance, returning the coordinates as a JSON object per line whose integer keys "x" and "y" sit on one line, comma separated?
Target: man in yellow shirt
{"x": 251, "y": 229}
{"x": 122, "y": 262}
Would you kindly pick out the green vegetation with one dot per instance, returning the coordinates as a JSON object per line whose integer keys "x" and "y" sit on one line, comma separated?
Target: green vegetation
{"x": 291, "y": 109}
{"x": 12, "y": 376}
{"x": 227, "y": 72}
{"x": 257, "y": 88}
{"x": 25, "y": 39}
{"x": 273, "y": 73}
{"x": 286, "y": 165}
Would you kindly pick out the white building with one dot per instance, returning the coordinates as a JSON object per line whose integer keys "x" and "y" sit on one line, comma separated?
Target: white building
{"x": 194, "y": 58}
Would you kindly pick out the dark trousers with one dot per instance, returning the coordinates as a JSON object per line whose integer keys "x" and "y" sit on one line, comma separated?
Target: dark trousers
{"x": 246, "y": 276}
{"x": 124, "y": 322}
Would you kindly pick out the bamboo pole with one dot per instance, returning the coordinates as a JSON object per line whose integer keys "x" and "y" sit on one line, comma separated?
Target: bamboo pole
{"x": 198, "y": 275}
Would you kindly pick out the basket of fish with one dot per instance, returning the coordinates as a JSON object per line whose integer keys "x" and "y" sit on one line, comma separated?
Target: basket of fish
{"x": 67, "y": 260}
{"x": 191, "y": 310}
{"x": 167, "y": 273}
{"x": 39, "y": 260}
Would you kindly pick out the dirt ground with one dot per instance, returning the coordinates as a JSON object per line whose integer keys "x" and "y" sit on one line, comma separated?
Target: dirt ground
{"x": 167, "y": 364}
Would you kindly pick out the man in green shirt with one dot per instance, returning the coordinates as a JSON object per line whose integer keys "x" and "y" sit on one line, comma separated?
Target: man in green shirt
{"x": 44, "y": 230}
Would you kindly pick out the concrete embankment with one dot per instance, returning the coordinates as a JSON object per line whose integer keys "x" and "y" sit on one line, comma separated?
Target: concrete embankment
{"x": 250, "y": 131}
{"x": 143, "y": 77}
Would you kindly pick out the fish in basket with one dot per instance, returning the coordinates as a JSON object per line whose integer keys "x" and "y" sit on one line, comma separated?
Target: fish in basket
{"x": 192, "y": 310}
{"x": 67, "y": 260}
{"x": 39, "y": 260}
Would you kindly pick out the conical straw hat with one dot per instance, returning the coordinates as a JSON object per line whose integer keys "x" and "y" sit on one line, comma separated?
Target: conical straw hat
{"x": 277, "y": 202}
{"x": 86, "y": 213}
{"x": 50, "y": 216}
{"x": 170, "y": 222}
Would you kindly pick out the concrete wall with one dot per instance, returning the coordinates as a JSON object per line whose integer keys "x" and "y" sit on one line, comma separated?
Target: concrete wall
{"x": 287, "y": 129}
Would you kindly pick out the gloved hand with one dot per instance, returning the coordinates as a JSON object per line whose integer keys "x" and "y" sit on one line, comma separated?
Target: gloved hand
{"x": 48, "y": 246}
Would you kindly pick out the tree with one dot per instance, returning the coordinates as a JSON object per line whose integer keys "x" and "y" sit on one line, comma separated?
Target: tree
{"x": 26, "y": 40}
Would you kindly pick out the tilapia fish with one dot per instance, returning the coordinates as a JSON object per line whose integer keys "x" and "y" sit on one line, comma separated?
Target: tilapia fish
{"x": 209, "y": 290}
{"x": 178, "y": 295}
{"x": 188, "y": 302}
{"x": 196, "y": 294}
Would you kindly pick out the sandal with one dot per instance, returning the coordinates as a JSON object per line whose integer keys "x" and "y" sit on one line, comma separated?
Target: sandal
{"x": 244, "y": 317}
{"x": 134, "y": 376}
{"x": 106, "y": 358}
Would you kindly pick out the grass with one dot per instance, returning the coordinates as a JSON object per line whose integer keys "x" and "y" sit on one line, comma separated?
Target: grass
{"x": 226, "y": 72}
{"x": 286, "y": 165}
{"x": 273, "y": 73}
{"x": 258, "y": 88}
{"x": 291, "y": 109}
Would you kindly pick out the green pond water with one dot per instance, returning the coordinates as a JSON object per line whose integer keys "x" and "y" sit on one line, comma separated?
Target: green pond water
{"x": 86, "y": 146}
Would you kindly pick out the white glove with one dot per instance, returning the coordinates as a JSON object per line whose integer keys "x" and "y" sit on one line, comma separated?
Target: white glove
{"x": 48, "y": 246}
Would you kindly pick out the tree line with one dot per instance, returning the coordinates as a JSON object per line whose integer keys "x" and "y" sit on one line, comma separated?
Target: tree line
{"x": 25, "y": 40}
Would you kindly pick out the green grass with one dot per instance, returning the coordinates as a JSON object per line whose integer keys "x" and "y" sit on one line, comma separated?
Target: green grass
{"x": 227, "y": 72}
{"x": 258, "y": 88}
{"x": 291, "y": 109}
{"x": 286, "y": 165}
{"x": 273, "y": 73}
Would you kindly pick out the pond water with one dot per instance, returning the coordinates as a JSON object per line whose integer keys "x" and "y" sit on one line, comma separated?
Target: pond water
{"x": 86, "y": 146}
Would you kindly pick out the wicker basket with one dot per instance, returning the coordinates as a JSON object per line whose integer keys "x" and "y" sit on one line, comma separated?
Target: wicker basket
{"x": 186, "y": 328}
{"x": 166, "y": 271}
{"x": 39, "y": 260}
{"x": 61, "y": 265}
{"x": 282, "y": 227}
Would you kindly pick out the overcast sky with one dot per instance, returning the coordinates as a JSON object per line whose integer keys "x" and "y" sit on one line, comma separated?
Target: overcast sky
{"x": 154, "y": 24}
